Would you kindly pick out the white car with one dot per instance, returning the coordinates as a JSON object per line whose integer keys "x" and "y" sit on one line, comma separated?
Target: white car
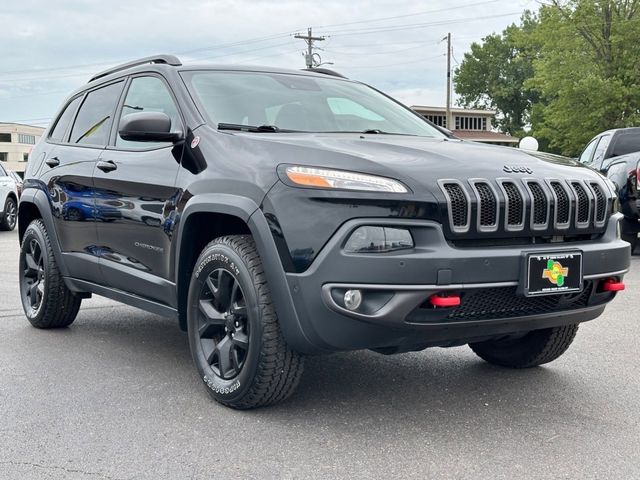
{"x": 8, "y": 201}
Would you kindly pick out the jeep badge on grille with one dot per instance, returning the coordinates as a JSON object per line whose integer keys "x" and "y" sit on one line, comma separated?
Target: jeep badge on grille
{"x": 517, "y": 169}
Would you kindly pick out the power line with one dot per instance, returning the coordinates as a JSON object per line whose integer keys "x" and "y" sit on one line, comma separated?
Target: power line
{"x": 415, "y": 14}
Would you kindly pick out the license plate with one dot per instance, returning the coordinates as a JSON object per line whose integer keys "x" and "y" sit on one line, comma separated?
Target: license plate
{"x": 553, "y": 273}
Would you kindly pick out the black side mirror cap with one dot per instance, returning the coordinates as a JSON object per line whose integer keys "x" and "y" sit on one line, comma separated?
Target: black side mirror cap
{"x": 148, "y": 127}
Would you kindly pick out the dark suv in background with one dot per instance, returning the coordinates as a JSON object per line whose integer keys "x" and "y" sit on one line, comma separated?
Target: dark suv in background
{"x": 278, "y": 213}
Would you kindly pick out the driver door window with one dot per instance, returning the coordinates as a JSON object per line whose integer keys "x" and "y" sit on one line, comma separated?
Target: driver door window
{"x": 149, "y": 94}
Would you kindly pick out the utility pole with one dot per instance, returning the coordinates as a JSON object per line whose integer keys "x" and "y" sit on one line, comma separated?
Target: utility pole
{"x": 309, "y": 38}
{"x": 448, "y": 117}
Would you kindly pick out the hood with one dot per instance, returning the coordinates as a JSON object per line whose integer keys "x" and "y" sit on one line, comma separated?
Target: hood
{"x": 416, "y": 161}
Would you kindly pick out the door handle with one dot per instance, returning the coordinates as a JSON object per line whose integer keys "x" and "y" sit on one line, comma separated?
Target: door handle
{"x": 53, "y": 162}
{"x": 107, "y": 165}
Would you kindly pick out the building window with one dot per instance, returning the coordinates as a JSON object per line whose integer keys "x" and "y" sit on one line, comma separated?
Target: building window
{"x": 471, "y": 123}
{"x": 5, "y": 137}
{"x": 439, "y": 120}
{"x": 25, "y": 157}
{"x": 4, "y": 156}
{"x": 26, "y": 139}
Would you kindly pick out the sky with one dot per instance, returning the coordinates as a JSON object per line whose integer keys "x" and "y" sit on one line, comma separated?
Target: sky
{"x": 51, "y": 47}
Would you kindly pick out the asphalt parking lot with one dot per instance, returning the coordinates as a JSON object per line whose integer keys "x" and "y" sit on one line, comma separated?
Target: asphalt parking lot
{"x": 115, "y": 396}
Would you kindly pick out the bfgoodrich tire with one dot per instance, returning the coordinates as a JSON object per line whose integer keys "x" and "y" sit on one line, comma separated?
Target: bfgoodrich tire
{"x": 46, "y": 300}
{"x": 533, "y": 349}
{"x": 234, "y": 335}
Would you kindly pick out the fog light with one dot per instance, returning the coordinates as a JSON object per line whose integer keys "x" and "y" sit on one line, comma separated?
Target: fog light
{"x": 372, "y": 239}
{"x": 352, "y": 299}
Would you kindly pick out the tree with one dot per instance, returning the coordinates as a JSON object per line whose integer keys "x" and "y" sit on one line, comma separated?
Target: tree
{"x": 586, "y": 71}
{"x": 494, "y": 75}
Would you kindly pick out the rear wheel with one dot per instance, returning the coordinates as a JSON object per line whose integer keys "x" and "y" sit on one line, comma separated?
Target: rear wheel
{"x": 46, "y": 300}
{"x": 530, "y": 350}
{"x": 10, "y": 214}
{"x": 234, "y": 335}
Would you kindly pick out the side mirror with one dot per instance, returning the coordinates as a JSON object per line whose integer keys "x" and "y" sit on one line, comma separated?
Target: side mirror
{"x": 148, "y": 127}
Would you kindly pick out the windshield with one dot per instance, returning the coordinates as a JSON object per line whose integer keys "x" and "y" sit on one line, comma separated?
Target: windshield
{"x": 301, "y": 103}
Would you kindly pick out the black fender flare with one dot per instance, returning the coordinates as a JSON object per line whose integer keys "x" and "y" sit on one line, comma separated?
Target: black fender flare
{"x": 39, "y": 199}
{"x": 249, "y": 212}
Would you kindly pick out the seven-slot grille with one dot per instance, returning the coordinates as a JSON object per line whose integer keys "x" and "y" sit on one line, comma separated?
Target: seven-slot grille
{"x": 548, "y": 204}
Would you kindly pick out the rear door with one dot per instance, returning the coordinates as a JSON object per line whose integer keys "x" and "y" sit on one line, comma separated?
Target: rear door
{"x": 136, "y": 198}
{"x": 74, "y": 146}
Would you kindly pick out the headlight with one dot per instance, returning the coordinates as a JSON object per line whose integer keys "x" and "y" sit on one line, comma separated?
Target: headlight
{"x": 325, "y": 178}
{"x": 372, "y": 239}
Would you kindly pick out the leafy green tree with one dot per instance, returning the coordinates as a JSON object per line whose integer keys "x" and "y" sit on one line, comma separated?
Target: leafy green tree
{"x": 494, "y": 74}
{"x": 586, "y": 70}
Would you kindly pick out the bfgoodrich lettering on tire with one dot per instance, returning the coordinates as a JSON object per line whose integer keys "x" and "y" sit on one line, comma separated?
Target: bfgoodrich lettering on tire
{"x": 235, "y": 339}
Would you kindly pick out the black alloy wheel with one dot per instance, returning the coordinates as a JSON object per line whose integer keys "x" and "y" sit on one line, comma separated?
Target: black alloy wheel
{"x": 46, "y": 300}
{"x": 223, "y": 324}
{"x": 33, "y": 278}
{"x": 234, "y": 334}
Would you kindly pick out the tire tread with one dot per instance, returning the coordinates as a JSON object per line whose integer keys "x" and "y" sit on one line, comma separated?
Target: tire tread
{"x": 279, "y": 368}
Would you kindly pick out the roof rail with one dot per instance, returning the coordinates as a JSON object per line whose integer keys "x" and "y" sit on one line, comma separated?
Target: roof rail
{"x": 324, "y": 71}
{"x": 166, "y": 59}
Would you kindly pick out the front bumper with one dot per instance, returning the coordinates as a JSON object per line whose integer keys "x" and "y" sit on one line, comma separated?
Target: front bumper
{"x": 400, "y": 283}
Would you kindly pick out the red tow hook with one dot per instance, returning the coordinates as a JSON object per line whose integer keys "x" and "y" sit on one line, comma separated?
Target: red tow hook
{"x": 612, "y": 285}
{"x": 443, "y": 300}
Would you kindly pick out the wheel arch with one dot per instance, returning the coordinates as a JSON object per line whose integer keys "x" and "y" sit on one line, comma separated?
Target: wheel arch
{"x": 209, "y": 216}
{"x": 34, "y": 204}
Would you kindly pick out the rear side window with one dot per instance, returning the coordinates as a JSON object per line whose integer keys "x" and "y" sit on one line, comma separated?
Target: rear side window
{"x": 626, "y": 143}
{"x": 2, "y": 172}
{"x": 64, "y": 120}
{"x": 94, "y": 120}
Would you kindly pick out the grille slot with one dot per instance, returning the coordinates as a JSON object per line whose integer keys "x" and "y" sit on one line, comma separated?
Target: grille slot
{"x": 515, "y": 205}
{"x": 551, "y": 207}
{"x": 563, "y": 204}
{"x": 458, "y": 205}
{"x": 488, "y": 207}
{"x": 601, "y": 204}
{"x": 540, "y": 210}
{"x": 582, "y": 204}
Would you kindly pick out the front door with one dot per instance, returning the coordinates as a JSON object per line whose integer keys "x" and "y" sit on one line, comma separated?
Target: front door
{"x": 135, "y": 200}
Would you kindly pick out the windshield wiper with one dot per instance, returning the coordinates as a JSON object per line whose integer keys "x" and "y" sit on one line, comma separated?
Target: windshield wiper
{"x": 248, "y": 128}
{"x": 373, "y": 130}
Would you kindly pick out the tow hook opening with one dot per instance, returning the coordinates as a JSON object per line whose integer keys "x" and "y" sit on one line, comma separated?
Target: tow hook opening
{"x": 612, "y": 285}
{"x": 444, "y": 300}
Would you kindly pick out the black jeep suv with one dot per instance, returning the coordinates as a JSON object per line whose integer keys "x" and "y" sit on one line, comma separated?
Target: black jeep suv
{"x": 280, "y": 213}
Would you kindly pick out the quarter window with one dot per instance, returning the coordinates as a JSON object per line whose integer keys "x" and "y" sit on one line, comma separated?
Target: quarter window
{"x": 65, "y": 118}
{"x": 94, "y": 120}
{"x": 148, "y": 94}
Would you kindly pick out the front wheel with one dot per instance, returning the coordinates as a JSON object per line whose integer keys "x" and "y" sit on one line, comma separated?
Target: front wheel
{"x": 529, "y": 350}
{"x": 234, "y": 335}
